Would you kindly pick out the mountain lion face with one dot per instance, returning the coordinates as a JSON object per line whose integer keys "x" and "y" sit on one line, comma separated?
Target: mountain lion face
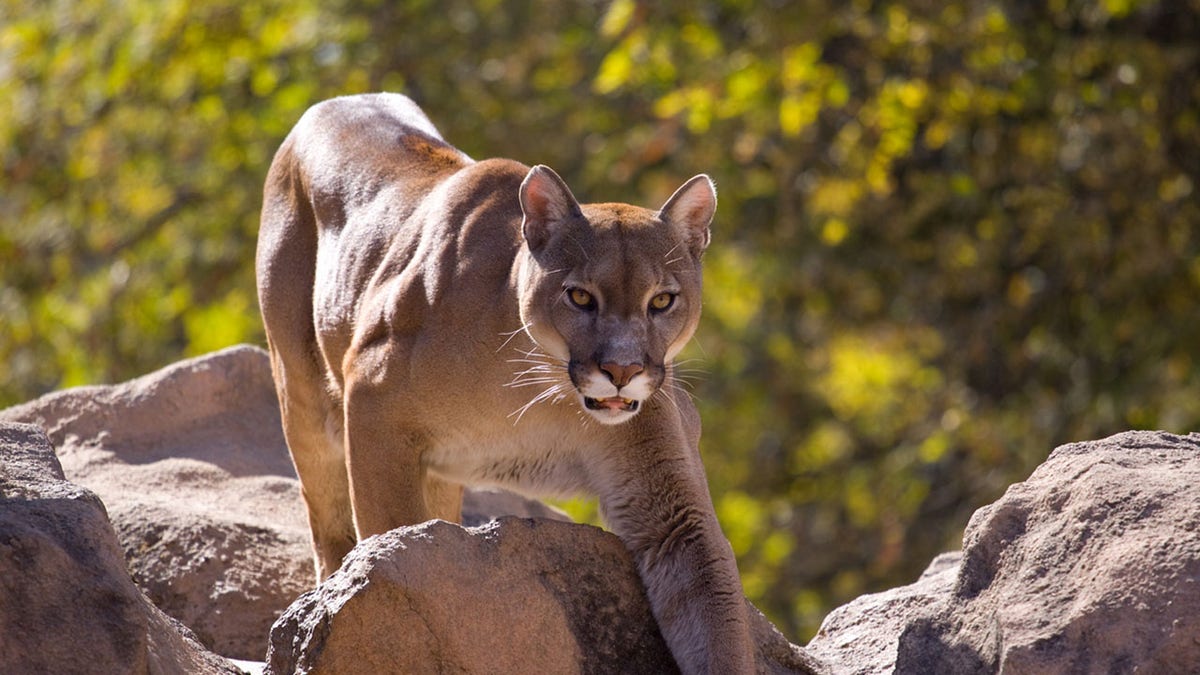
{"x": 613, "y": 293}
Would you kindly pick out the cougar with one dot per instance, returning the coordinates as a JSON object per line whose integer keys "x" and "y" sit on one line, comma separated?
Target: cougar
{"x": 435, "y": 321}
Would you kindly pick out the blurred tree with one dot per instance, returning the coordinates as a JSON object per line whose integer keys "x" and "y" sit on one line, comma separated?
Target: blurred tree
{"x": 951, "y": 235}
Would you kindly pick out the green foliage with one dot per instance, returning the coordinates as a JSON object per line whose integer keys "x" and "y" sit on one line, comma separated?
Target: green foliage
{"x": 951, "y": 235}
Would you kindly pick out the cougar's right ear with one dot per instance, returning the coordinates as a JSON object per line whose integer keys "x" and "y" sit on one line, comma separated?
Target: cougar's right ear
{"x": 546, "y": 201}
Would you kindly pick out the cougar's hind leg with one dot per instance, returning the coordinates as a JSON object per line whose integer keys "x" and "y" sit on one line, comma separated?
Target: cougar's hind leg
{"x": 286, "y": 269}
{"x": 312, "y": 426}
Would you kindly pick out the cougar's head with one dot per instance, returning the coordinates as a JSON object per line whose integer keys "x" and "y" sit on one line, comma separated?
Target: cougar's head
{"x": 612, "y": 291}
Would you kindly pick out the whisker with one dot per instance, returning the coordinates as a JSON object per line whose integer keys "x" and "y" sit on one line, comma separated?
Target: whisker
{"x": 535, "y": 354}
{"x": 548, "y": 393}
{"x": 531, "y": 383}
{"x": 541, "y": 370}
{"x": 670, "y": 399}
{"x": 690, "y": 377}
{"x": 548, "y": 364}
{"x": 511, "y": 336}
{"x": 681, "y": 389}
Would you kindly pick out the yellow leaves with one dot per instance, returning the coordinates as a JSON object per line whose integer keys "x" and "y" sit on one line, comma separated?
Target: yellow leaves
{"x": 827, "y": 444}
{"x": 696, "y": 103}
{"x": 615, "y": 70}
{"x": 264, "y": 79}
{"x": 747, "y": 523}
{"x": 146, "y": 198}
{"x": 964, "y": 255}
{"x": 834, "y": 231}
{"x": 836, "y": 197}
{"x": 800, "y": 65}
{"x": 893, "y": 116}
{"x": 228, "y": 321}
{"x": 934, "y": 448}
{"x": 617, "y": 18}
{"x": 744, "y": 87}
{"x": 797, "y": 112}
{"x": 808, "y": 86}
{"x": 881, "y": 381}
{"x": 740, "y": 297}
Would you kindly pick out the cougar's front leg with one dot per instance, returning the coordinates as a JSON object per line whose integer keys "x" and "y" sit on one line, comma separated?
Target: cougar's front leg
{"x": 660, "y": 507}
{"x": 443, "y": 498}
{"x": 383, "y": 457}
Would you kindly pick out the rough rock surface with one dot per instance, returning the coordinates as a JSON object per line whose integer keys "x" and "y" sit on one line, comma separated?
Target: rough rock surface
{"x": 514, "y": 596}
{"x": 191, "y": 463}
{"x": 1092, "y": 565}
{"x": 67, "y": 603}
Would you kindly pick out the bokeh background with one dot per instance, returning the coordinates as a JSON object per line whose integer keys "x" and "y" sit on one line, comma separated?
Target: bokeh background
{"x": 951, "y": 234}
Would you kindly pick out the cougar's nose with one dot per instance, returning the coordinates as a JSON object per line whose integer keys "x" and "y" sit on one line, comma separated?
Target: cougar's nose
{"x": 621, "y": 375}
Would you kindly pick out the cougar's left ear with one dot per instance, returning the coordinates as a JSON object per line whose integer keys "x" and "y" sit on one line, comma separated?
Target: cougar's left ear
{"x": 546, "y": 201}
{"x": 691, "y": 210}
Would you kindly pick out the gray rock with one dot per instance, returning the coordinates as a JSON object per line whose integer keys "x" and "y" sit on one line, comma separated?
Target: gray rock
{"x": 67, "y": 604}
{"x": 860, "y": 637}
{"x": 1092, "y": 565}
{"x": 191, "y": 462}
{"x": 513, "y": 596}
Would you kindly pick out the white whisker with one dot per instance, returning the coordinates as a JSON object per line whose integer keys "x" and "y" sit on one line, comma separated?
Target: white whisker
{"x": 511, "y": 336}
{"x": 689, "y": 377}
{"x": 670, "y": 398}
{"x": 683, "y": 390}
{"x": 554, "y": 392}
{"x": 533, "y": 383}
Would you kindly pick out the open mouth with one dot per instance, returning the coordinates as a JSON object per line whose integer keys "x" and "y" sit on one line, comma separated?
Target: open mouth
{"x": 611, "y": 403}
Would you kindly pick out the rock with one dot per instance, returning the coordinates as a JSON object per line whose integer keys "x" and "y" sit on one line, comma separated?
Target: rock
{"x": 67, "y": 603}
{"x": 517, "y": 595}
{"x": 191, "y": 462}
{"x": 861, "y": 635}
{"x": 1090, "y": 565}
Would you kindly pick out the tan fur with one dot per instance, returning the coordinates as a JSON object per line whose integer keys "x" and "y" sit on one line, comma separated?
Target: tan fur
{"x": 424, "y": 335}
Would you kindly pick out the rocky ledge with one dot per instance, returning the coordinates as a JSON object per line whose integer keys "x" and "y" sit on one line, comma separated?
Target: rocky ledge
{"x": 159, "y": 523}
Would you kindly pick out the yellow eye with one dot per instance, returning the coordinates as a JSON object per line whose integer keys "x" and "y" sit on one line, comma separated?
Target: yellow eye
{"x": 662, "y": 301}
{"x": 581, "y": 298}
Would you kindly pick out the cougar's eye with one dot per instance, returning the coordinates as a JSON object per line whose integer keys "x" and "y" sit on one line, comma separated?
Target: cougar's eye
{"x": 662, "y": 302}
{"x": 581, "y": 298}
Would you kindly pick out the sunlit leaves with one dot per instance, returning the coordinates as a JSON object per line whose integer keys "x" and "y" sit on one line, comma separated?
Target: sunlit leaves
{"x": 138, "y": 144}
{"x": 950, "y": 235}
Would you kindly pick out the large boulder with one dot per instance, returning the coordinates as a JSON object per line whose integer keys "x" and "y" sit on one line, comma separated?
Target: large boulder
{"x": 67, "y": 603}
{"x": 191, "y": 462}
{"x": 1092, "y": 565}
{"x": 513, "y": 596}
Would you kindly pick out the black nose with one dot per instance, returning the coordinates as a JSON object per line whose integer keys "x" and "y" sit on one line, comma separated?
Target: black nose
{"x": 621, "y": 375}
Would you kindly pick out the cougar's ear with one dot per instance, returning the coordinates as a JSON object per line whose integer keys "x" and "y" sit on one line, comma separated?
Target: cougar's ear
{"x": 546, "y": 201}
{"x": 690, "y": 210}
